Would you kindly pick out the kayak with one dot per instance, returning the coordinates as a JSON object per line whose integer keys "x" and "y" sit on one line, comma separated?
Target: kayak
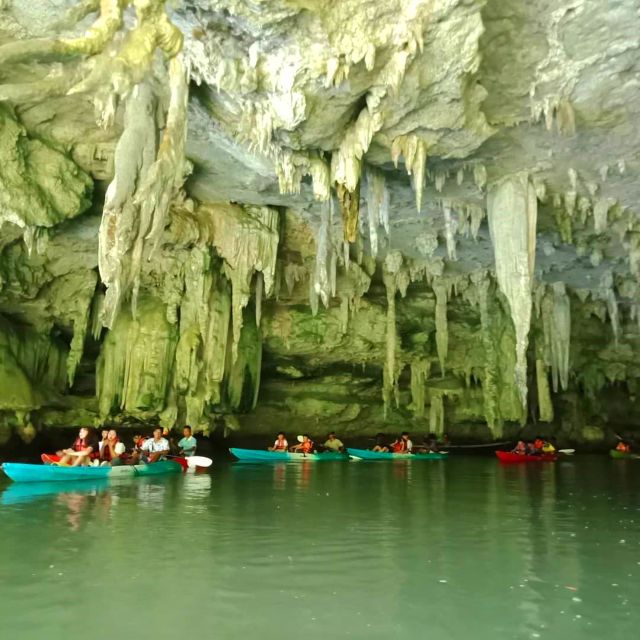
{"x": 507, "y": 456}
{"x": 20, "y": 472}
{"x": 367, "y": 454}
{"x": 185, "y": 463}
{"x": 259, "y": 455}
{"x": 621, "y": 455}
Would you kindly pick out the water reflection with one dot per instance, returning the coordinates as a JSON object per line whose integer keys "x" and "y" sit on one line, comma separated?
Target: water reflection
{"x": 20, "y": 492}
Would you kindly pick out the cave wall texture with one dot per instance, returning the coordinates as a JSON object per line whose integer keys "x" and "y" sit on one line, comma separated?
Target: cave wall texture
{"x": 374, "y": 215}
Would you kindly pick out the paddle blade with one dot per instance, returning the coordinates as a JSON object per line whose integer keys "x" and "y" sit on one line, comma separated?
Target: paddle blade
{"x": 199, "y": 461}
{"x": 567, "y": 452}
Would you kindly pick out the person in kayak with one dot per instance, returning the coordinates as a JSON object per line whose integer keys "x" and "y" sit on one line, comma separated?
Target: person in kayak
{"x": 520, "y": 448}
{"x": 280, "y": 444}
{"x": 623, "y": 447}
{"x": 332, "y": 443}
{"x": 152, "y": 449}
{"x": 103, "y": 440}
{"x": 538, "y": 443}
{"x": 429, "y": 445}
{"x": 549, "y": 446}
{"x": 305, "y": 446}
{"x": 187, "y": 444}
{"x": 113, "y": 450}
{"x": 83, "y": 451}
{"x": 380, "y": 443}
{"x": 403, "y": 444}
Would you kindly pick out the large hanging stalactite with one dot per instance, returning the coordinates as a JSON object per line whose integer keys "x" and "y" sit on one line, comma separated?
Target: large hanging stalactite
{"x": 512, "y": 211}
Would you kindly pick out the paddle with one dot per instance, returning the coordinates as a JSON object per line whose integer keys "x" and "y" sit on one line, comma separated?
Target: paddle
{"x": 196, "y": 461}
{"x": 567, "y": 452}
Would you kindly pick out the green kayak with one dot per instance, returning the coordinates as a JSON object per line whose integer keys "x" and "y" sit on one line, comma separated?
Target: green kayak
{"x": 621, "y": 455}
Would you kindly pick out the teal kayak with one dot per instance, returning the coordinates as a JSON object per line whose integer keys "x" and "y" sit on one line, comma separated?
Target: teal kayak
{"x": 259, "y": 455}
{"x": 21, "y": 472}
{"x": 367, "y": 454}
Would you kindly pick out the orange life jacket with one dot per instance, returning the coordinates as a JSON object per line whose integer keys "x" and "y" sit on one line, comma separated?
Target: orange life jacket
{"x": 307, "y": 447}
{"x": 623, "y": 446}
{"x": 538, "y": 443}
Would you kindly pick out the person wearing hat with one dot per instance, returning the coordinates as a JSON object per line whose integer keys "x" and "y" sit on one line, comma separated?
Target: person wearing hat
{"x": 333, "y": 444}
{"x": 305, "y": 446}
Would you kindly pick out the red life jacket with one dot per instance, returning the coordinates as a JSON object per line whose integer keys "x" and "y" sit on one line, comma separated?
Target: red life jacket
{"x": 81, "y": 445}
{"x": 538, "y": 443}
{"x": 400, "y": 446}
{"x": 307, "y": 447}
{"x": 280, "y": 446}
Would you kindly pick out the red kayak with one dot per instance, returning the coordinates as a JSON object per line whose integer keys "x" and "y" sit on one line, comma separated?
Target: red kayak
{"x": 507, "y": 456}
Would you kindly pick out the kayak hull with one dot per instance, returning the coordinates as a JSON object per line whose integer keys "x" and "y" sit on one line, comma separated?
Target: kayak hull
{"x": 367, "y": 454}
{"x": 508, "y": 457}
{"x": 21, "y": 472}
{"x": 621, "y": 455}
{"x": 258, "y": 455}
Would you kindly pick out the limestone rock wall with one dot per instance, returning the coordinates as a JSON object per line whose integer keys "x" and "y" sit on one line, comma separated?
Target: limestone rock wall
{"x": 369, "y": 215}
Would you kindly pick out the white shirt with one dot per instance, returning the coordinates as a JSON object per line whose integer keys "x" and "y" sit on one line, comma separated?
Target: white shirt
{"x": 277, "y": 445}
{"x": 154, "y": 446}
{"x": 409, "y": 445}
{"x": 119, "y": 448}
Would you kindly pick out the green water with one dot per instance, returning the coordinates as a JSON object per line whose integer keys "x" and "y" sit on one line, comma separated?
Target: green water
{"x": 441, "y": 550}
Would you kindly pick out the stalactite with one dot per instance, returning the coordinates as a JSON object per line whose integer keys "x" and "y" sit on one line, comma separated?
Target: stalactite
{"x": 247, "y": 238}
{"x": 436, "y": 413}
{"x": 512, "y": 210}
{"x": 350, "y": 207}
{"x": 450, "y": 232}
{"x": 607, "y": 294}
{"x": 419, "y": 375}
{"x": 321, "y": 280}
{"x": 600, "y": 212}
{"x": 442, "y": 331}
{"x": 414, "y": 150}
{"x": 391, "y": 271}
{"x": 377, "y": 199}
{"x": 556, "y": 318}
{"x": 545, "y": 406}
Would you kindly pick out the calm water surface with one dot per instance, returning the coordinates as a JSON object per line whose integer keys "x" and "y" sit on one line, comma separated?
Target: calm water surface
{"x": 441, "y": 550}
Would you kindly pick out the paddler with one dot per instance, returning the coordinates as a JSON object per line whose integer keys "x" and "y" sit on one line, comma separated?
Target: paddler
{"x": 187, "y": 444}
{"x": 280, "y": 444}
{"x": 332, "y": 443}
{"x": 305, "y": 446}
{"x": 538, "y": 443}
{"x": 549, "y": 446}
{"x": 83, "y": 451}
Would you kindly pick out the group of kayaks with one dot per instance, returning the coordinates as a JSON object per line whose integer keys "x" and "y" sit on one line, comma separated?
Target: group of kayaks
{"x": 50, "y": 471}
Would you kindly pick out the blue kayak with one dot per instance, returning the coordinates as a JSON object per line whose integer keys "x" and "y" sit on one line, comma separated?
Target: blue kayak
{"x": 260, "y": 455}
{"x": 21, "y": 472}
{"x": 367, "y": 454}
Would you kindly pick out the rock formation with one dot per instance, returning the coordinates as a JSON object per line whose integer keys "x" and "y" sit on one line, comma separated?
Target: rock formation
{"x": 366, "y": 214}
